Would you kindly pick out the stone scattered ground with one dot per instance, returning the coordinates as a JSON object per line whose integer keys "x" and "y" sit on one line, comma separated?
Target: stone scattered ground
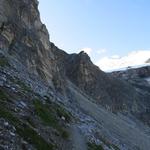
{"x": 29, "y": 121}
{"x": 9, "y": 138}
{"x": 79, "y": 142}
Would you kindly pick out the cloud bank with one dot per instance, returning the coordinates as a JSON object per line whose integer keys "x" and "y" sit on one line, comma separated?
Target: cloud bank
{"x": 101, "y": 51}
{"x": 116, "y": 62}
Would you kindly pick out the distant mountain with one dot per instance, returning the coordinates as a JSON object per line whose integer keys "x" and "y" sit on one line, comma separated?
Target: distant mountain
{"x": 140, "y": 79}
{"x": 135, "y": 58}
{"x": 148, "y": 61}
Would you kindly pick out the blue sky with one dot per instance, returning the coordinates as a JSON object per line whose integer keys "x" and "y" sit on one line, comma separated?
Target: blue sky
{"x": 102, "y": 27}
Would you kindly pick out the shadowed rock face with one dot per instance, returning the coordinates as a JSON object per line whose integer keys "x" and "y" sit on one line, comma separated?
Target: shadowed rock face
{"x": 139, "y": 78}
{"x": 142, "y": 72}
{"x": 114, "y": 94}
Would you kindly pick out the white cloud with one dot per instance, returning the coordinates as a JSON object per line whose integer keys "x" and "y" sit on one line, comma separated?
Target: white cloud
{"x": 115, "y": 57}
{"x": 87, "y": 50}
{"x": 132, "y": 59}
{"x": 101, "y": 51}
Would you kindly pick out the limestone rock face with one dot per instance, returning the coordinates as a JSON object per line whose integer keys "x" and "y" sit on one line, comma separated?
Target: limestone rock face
{"x": 25, "y": 39}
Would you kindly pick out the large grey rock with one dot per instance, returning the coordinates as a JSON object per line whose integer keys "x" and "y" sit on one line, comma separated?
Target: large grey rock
{"x": 26, "y": 40}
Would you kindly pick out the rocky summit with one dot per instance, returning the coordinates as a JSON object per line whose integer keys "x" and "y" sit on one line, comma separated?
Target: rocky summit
{"x": 51, "y": 100}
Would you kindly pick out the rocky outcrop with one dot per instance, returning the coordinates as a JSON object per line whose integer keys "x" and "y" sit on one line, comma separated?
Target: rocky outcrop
{"x": 26, "y": 40}
{"x": 108, "y": 91}
{"x": 139, "y": 78}
{"x": 132, "y": 73}
{"x": 148, "y": 61}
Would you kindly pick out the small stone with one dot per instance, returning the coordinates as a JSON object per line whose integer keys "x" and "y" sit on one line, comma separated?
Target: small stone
{"x": 13, "y": 89}
{"x": 12, "y": 134}
{"x": 63, "y": 118}
{"x": 23, "y": 104}
{"x": 14, "y": 128}
{"x": 7, "y": 85}
{"x": 6, "y": 123}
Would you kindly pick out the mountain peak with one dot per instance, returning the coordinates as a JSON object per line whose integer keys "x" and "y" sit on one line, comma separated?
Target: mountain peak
{"x": 148, "y": 61}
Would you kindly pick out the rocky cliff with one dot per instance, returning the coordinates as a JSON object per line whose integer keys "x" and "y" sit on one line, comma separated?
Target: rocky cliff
{"x": 54, "y": 100}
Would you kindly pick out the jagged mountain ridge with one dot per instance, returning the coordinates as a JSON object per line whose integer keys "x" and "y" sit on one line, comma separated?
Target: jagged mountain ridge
{"x": 114, "y": 94}
{"x": 29, "y": 43}
{"x": 71, "y": 79}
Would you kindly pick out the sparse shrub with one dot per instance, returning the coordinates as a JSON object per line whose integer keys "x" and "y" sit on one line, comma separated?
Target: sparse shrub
{"x": 49, "y": 115}
{"x": 26, "y": 132}
{"x": 93, "y": 146}
{"x": 21, "y": 84}
{"x": 62, "y": 112}
{"x": 3, "y": 62}
{"x": 64, "y": 134}
{"x": 115, "y": 147}
{"x": 4, "y": 97}
{"x": 46, "y": 115}
{"x": 29, "y": 120}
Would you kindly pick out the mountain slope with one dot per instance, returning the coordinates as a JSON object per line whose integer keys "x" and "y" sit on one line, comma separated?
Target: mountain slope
{"x": 49, "y": 98}
{"x": 129, "y": 133}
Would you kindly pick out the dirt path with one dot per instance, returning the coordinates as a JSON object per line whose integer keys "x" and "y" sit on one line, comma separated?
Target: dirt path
{"x": 77, "y": 139}
{"x": 128, "y": 134}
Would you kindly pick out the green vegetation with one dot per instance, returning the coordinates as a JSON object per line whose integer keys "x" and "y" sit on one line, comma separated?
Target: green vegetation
{"x": 110, "y": 145}
{"x": 4, "y": 97}
{"x": 115, "y": 147}
{"x": 26, "y": 132}
{"x": 3, "y": 62}
{"x": 31, "y": 136}
{"x": 49, "y": 115}
{"x": 46, "y": 115}
{"x": 30, "y": 122}
{"x": 93, "y": 146}
{"x": 21, "y": 84}
{"x": 62, "y": 112}
{"x": 63, "y": 132}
